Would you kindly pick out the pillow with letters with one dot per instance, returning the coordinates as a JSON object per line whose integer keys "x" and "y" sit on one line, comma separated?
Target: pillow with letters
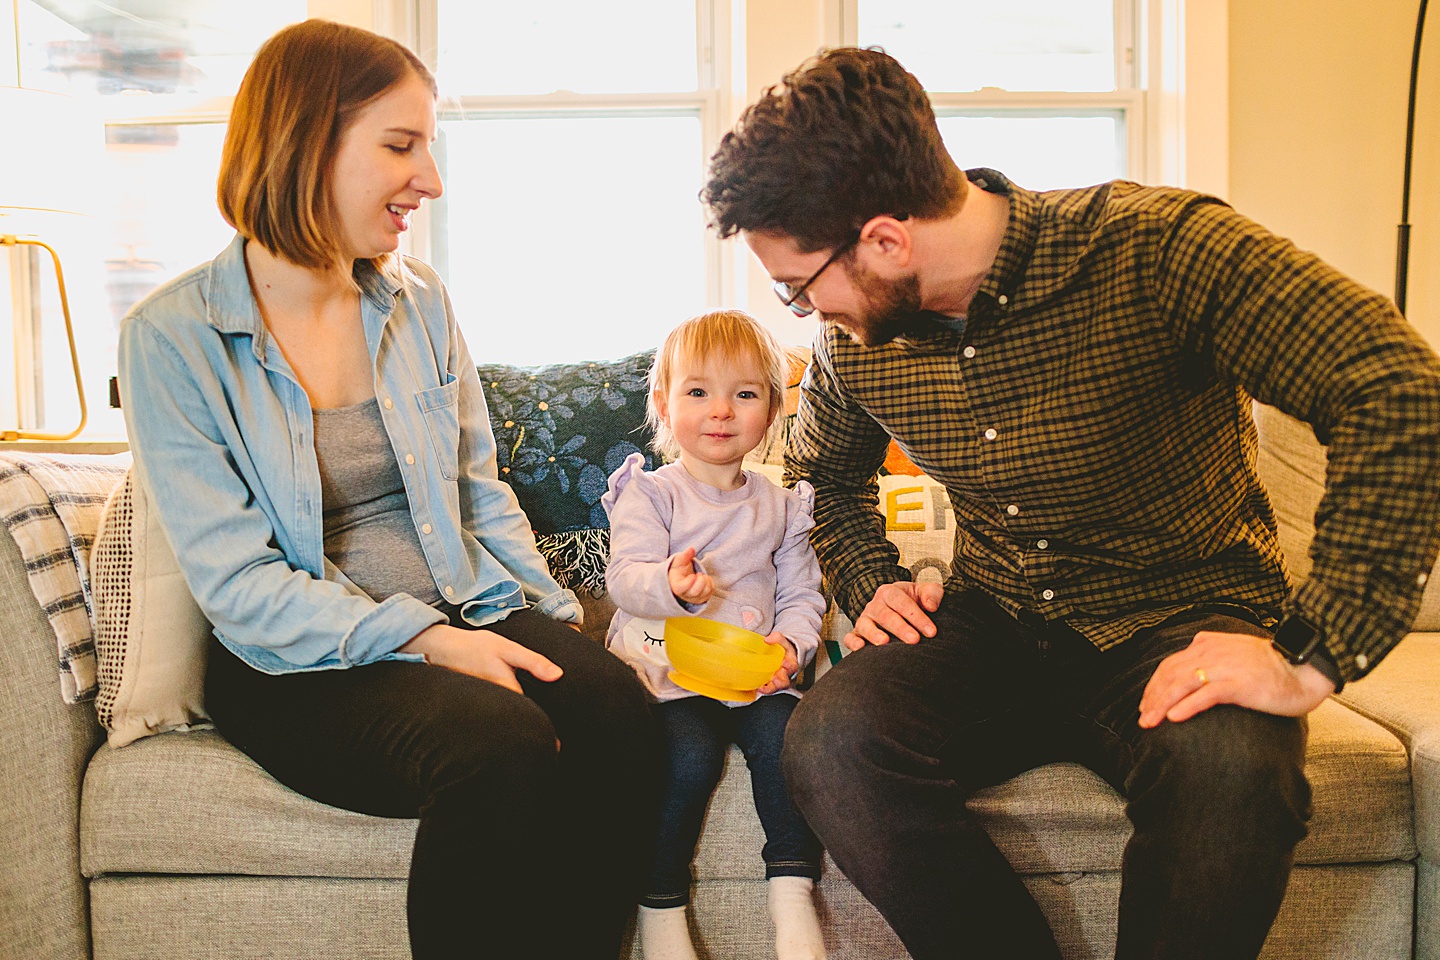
{"x": 919, "y": 520}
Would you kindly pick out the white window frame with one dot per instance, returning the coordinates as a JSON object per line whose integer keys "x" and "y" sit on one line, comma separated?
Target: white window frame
{"x": 1171, "y": 68}
{"x": 1127, "y": 99}
{"x": 415, "y": 23}
{"x": 1181, "y": 92}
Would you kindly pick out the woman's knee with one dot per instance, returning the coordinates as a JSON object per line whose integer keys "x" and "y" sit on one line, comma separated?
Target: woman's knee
{"x": 509, "y": 744}
{"x": 597, "y": 688}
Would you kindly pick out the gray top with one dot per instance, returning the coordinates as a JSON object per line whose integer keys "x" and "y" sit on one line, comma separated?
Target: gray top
{"x": 369, "y": 533}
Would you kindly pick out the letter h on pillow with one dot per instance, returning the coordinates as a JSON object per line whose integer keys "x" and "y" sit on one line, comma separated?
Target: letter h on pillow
{"x": 151, "y": 639}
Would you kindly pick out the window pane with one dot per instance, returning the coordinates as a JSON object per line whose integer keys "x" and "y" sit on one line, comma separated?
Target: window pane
{"x": 964, "y": 45}
{"x": 161, "y": 212}
{"x": 571, "y": 239}
{"x": 504, "y": 47}
{"x": 145, "y": 46}
{"x": 1040, "y": 152}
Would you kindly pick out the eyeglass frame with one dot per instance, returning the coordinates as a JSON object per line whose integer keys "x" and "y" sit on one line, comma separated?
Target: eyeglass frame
{"x": 798, "y": 302}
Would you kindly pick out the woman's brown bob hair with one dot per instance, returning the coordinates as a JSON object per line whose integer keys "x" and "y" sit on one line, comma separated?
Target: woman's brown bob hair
{"x": 302, "y": 91}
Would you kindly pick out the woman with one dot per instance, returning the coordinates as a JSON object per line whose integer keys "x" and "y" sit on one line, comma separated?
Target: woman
{"x": 309, "y": 424}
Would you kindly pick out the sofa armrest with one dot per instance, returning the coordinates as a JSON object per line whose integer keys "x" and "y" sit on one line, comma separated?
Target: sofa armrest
{"x": 45, "y": 745}
{"x": 1403, "y": 695}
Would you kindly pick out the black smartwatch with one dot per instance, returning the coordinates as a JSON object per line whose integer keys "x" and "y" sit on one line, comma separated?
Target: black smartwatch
{"x": 1297, "y": 639}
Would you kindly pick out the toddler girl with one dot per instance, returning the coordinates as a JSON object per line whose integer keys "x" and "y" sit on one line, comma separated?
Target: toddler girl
{"x": 704, "y": 536}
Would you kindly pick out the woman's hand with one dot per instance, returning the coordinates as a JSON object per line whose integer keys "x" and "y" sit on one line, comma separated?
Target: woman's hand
{"x": 687, "y": 582}
{"x": 480, "y": 653}
{"x": 785, "y": 676}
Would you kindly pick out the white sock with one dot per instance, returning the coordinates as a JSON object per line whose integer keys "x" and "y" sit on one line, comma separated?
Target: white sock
{"x": 664, "y": 934}
{"x": 797, "y": 925}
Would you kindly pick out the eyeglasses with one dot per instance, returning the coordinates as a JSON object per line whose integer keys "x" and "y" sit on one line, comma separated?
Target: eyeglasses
{"x": 795, "y": 297}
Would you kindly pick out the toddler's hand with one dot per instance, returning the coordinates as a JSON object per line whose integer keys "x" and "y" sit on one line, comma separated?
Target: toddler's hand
{"x": 784, "y": 677}
{"x": 687, "y": 583}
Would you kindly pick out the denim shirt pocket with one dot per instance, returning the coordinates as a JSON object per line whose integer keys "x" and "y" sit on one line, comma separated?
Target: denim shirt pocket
{"x": 440, "y": 409}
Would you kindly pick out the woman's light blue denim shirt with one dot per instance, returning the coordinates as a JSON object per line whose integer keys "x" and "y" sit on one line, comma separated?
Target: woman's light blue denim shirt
{"x": 223, "y": 440}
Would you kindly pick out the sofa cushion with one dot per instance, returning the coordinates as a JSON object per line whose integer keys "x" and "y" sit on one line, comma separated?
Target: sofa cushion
{"x": 187, "y": 803}
{"x": 1062, "y": 818}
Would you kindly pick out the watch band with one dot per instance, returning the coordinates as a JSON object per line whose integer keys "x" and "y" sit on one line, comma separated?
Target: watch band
{"x": 1297, "y": 639}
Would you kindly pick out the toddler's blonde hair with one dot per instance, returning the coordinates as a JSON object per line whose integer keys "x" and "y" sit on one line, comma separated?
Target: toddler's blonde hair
{"x": 724, "y": 335}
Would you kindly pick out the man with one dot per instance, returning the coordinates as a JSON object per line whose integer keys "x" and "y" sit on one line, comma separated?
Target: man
{"x": 1076, "y": 366}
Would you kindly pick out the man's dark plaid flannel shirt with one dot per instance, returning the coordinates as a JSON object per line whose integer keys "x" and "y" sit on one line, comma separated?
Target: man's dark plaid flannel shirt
{"x": 1092, "y": 425}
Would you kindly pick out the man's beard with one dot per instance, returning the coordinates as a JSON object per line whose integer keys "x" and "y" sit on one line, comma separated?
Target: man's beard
{"x": 892, "y": 309}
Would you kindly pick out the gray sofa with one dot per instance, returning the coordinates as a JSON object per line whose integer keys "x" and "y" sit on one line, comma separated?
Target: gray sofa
{"x": 179, "y": 846}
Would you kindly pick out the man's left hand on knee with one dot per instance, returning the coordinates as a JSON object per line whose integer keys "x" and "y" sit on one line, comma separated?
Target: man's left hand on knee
{"x": 1230, "y": 668}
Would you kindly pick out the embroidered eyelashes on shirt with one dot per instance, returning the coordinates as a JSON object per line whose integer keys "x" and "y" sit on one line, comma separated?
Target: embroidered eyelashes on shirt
{"x": 649, "y": 639}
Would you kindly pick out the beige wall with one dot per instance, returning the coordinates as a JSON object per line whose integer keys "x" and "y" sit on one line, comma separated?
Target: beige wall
{"x": 1317, "y": 135}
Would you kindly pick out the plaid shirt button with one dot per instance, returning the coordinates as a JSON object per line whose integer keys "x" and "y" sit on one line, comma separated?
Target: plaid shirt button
{"x": 1013, "y": 510}
{"x": 991, "y": 434}
{"x": 1042, "y": 544}
{"x": 1047, "y": 594}
{"x": 969, "y": 353}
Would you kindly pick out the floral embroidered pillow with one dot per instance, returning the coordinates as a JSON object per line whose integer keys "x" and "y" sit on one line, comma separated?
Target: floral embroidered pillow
{"x": 562, "y": 429}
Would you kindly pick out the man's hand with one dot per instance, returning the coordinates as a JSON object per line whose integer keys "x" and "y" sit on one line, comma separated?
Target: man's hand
{"x": 1230, "y": 668}
{"x": 686, "y": 582}
{"x": 784, "y": 676}
{"x": 480, "y": 653}
{"x": 898, "y": 609}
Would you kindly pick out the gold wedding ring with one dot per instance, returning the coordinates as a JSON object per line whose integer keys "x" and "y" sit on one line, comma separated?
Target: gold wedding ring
{"x": 1200, "y": 675}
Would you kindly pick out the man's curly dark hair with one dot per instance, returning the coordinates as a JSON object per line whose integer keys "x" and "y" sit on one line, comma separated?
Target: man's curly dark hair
{"x": 847, "y": 136}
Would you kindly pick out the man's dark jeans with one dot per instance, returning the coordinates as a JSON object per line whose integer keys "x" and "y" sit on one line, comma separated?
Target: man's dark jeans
{"x": 881, "y": 755}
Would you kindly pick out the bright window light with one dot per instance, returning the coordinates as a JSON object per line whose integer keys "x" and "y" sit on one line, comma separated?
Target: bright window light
{"x": 1040, "y": 152}
{"x": 961, "y": 45}
{"x": 501, "y": 47}
{"x": 572, "y": 238}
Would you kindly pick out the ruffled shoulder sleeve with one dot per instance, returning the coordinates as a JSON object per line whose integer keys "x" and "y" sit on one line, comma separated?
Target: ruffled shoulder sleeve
{"x": 799, "y": 510}
{"x": 806, "y": 494}
{"x": 632, "y": 471}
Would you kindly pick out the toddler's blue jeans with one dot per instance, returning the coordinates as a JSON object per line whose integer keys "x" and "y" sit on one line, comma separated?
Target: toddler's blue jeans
{"x": 697, "y": 733}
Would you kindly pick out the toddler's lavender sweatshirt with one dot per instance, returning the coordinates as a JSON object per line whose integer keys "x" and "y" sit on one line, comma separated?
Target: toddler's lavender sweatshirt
{"x": 753, "y": 542}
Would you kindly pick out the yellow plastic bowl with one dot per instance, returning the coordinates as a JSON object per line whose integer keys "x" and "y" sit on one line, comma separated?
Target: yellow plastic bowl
{"x": 719, "y": 660}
